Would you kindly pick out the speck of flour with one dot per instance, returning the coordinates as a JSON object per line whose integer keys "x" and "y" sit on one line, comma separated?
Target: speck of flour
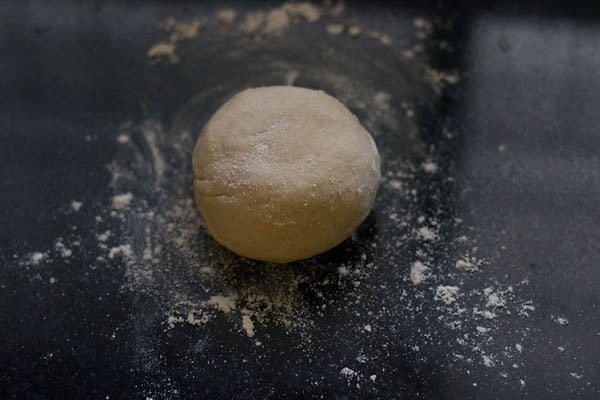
{"x": 417, "y": 272}
{"x": 226, "y": 16}
{"x": 430, "y": 167}
{"x": 225, "y": 304}
{"x": 37, "y": 257}
{"x": 248, "y": 325}
{"x": 426, "y": 233}
{"x": 122, "y": 201}
{"x": 335, "y": 29}
{"x": 446, "y": 294}
{"x": 123, "y": 250}
{"x": 348, "y": 373}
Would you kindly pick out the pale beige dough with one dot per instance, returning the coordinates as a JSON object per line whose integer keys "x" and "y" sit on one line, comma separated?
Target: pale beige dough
{"x": 283, "y": 173}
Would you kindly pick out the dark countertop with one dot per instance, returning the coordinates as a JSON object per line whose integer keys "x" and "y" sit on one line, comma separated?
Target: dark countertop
{"x": 489, "y": 140}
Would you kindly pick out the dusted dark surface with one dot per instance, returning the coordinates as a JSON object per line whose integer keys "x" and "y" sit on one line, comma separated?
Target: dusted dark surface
{"x": 525, "y": 178}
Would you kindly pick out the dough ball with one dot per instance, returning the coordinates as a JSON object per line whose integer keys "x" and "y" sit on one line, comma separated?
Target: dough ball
{"x": 283, "y": 173}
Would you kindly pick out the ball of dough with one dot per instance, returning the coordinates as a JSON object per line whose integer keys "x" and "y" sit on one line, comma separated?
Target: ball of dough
{"x": 283, "y": 173}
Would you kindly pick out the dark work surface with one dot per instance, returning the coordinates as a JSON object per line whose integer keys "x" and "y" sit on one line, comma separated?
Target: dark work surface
{"x": 522, "y": 170}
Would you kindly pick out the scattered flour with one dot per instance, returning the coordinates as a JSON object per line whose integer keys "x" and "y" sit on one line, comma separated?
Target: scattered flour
{"x": 171, "y": 238}
{"x": 76, "y": 205}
